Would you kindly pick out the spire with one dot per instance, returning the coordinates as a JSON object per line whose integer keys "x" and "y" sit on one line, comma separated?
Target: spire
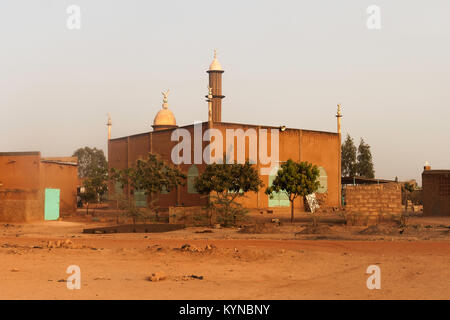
{"x": 109, "y": 124}
{"x": 339, "y": 116}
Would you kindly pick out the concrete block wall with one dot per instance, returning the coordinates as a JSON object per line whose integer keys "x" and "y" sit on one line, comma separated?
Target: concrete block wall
{"x": 377, "y": 198}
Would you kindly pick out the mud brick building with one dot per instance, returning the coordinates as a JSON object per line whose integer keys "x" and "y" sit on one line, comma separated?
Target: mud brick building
{"x": 33, "y": 188}
{"x": 318, "y": 147}
{"x": 436, "y": 192}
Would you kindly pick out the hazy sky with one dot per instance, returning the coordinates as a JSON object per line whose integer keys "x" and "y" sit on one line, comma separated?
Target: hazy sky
{"x": 286, "y": 63}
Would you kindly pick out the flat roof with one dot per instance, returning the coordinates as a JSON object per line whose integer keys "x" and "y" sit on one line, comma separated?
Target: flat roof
{"x": 438, "y": 171}
{"x": 363, "y": 180}
{"x": 25, "y": 153}
{"x": 225, "y": 123}
{"x": 64, "y": 163}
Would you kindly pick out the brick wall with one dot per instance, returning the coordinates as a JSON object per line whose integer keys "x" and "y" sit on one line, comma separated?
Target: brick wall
{"x": 381, "y": 201}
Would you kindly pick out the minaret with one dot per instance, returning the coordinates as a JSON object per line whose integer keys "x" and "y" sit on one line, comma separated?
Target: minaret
{"x": 339, "y": 116}
{"x": 215, "y": 83}
{"x": 109, "y": 124}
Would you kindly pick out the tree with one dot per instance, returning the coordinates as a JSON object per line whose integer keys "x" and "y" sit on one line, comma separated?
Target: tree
{"x": 295, "y": 179}
{"x": 364, "y": 166}
{"x": 150, "y": 175}
{"x": 408, "y": 189}
{"x": 93, "y": 169}
{"x": 89, "y": 161}
{"x": 94, "y": 186}
{"x": 348, "y": 156}
{"x": 226, "y": 183}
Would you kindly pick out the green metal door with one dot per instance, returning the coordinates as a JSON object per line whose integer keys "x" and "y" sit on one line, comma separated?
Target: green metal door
{"x": 51, "y": 204}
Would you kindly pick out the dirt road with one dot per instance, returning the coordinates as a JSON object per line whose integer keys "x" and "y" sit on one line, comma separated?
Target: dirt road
{"x": 118, "y": 268}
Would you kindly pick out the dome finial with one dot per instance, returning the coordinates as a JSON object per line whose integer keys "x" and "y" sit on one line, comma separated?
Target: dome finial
{"x": 165, "y": 99}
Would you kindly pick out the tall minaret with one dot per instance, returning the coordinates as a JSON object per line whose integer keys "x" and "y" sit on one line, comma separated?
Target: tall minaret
{"x": 109, "y": 124}
{"x": 339, "y": 116}
{"x": 215, "y": 83}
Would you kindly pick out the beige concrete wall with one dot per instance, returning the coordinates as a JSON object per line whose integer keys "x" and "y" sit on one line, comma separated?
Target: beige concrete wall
{"x": 376, "y": 198}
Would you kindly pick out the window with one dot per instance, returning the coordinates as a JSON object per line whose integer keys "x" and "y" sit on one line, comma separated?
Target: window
{"x": 279, "y": 199}
{"x": 323, "y": 179}
{"x": 118, "y": 189}
{"x": 192, "y": 174}
{"x": 140, "y": 199}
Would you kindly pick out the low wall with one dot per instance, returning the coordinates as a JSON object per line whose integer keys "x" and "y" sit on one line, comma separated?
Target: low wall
{"x": 21, "y": 206}
{"x": 372, "y": 204}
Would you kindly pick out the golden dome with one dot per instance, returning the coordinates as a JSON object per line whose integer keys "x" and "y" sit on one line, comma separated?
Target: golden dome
{"x": 164, "y": 118}
{"x": 215, "y": 65}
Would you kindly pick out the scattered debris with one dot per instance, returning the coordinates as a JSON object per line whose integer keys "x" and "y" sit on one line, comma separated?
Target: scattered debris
{"x": 190, "y": 248}
{"x": 68, "y": 244}
{"x": 157, "y": 276}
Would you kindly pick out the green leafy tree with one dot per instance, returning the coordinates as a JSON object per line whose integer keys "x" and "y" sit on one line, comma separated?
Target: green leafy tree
{"x": 408, "y": 189}
{"x": 89, "y": 195}
{"x": 364, "y": 166}
{"x": 89, "y": 161}
{"x": 295, "y": 179}
{"x": 150, "y": 175}
{"x": 93, "y": 169}
{"x": 224, "y": 183}
{"x": 348, "y": 155}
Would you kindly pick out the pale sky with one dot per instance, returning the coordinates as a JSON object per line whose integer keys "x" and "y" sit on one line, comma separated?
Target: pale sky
{"x": 286, "y": 63}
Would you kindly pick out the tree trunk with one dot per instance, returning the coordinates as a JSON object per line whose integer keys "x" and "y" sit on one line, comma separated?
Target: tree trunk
{"x": 292, "y": 211}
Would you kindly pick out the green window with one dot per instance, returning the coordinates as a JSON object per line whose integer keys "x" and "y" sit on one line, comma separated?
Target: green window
{"x": 118, "y": 189}
{"x": 192, "y": 174}
{"x": 323, "y": 179}
{"x": 140, "y": 199}
{"x": 278, "y": 199}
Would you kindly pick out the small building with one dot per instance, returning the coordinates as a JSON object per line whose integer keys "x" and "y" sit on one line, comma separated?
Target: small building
{"x": 436, "y": 192}
{"x": 33, "y": 188}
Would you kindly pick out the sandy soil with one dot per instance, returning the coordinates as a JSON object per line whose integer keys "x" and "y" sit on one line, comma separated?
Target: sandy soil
{"x": 235, "y": 266}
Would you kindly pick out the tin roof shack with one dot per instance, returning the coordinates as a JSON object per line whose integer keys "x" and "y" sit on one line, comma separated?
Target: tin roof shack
{"x": 436, "y": 192}
{"x": 24, "y": 178}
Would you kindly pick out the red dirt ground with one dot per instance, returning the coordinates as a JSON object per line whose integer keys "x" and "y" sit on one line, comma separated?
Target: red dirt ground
{"x": 270, "y": 267}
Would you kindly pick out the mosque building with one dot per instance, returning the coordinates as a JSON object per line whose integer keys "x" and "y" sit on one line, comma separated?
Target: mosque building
{"x": 318, "y": 147}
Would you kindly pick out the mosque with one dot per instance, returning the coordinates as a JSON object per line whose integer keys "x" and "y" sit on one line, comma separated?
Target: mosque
{"x": 318, "y": 147}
